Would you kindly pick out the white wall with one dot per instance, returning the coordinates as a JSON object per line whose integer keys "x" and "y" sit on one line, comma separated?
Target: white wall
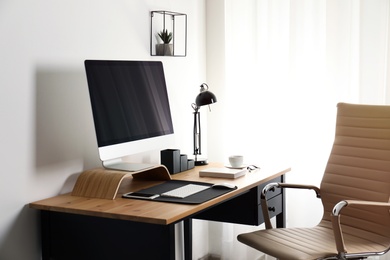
{"x": 47, "y": 133}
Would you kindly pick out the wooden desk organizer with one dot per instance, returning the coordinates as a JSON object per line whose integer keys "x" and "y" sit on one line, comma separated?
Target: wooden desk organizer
{"x": 104, "y": 184}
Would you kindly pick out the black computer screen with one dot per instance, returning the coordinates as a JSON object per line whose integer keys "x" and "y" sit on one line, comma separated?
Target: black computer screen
{"x": 129, "y": 100}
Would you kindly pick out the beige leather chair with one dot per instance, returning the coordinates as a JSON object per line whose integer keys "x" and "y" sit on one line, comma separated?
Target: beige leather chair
{"x": 355, "y": 193}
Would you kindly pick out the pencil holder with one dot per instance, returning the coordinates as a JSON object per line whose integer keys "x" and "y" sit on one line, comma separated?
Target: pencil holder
{"x": 183, "y": 162}
{"x": 190, "y": 164}
{"x": 171, "y": 159}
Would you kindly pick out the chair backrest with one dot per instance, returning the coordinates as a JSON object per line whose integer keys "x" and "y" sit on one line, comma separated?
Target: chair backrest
{"x": 359, "y": 166}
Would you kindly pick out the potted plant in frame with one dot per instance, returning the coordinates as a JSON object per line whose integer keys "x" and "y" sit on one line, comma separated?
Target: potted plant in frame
{"x": 165, "y": 48}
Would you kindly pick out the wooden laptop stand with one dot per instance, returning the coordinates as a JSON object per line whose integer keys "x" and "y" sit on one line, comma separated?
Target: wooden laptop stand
{"x": 101, "y": 183}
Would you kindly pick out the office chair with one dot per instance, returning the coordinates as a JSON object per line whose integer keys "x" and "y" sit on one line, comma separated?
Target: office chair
{"x": 355, "y": 193}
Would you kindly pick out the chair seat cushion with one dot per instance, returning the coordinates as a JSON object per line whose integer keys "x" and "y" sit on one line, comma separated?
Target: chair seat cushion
{"x": 307, "y": 243}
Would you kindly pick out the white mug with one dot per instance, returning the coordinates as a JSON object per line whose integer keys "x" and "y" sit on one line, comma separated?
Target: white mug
{"x": 236, "y": 160}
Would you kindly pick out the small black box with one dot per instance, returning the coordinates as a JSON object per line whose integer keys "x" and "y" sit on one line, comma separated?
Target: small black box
{"x": 171, "y": 159}
{"x": 183, "y": 162}
{"x": 190, "y": 164}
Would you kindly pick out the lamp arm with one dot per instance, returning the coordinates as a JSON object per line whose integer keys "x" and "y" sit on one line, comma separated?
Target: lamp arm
{"x": 197, "y": 138}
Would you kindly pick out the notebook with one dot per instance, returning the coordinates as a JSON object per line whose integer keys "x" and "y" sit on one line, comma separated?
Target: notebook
{"x": 222, "y": 173}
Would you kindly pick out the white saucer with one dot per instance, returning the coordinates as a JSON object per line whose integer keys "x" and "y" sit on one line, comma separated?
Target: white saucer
{"x": 237, "y": 167}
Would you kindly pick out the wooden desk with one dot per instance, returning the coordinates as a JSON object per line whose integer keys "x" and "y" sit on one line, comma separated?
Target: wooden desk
{"x": 87, "y": 228}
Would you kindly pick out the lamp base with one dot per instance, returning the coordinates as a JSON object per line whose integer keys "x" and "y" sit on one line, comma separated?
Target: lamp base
{"x": 201, "y": 162}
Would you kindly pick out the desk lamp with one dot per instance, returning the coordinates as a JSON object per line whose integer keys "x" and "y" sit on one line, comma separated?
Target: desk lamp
{"x": 205, "y": 97}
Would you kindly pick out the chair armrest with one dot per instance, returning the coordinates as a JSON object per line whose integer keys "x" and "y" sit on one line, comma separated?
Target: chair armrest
{"x": 336, "y": 214}
{"x": 302, "y": 186}
{"x": 272, "y": 186}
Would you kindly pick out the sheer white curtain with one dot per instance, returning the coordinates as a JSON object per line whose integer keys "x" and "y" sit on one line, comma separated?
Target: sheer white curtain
{"x": 282, "y": 66}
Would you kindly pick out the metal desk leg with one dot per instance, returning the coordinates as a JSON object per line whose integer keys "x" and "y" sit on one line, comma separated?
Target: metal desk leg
{"x": 281, "y": 218}
{"x": 188, "y": 239}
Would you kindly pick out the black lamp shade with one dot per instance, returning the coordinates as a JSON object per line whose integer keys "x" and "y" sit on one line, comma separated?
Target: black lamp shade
{"x": 205, "y": 98}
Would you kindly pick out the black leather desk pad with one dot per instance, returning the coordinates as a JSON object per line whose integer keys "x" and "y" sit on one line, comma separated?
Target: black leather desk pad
{"x": 196, "y": 198}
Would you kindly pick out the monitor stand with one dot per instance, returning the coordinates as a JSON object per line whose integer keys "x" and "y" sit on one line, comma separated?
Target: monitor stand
{"x": 126, "y": 166}
{"x": 104, "y": 184}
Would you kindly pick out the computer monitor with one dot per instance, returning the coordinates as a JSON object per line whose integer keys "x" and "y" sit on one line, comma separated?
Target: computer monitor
{"x": 130, "y": 109}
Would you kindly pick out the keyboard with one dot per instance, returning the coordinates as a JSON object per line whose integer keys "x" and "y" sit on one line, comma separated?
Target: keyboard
{"x": 184, "y": 191}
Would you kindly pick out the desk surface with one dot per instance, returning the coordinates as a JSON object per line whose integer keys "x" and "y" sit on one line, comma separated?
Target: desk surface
{"x": 152, "y": 211}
